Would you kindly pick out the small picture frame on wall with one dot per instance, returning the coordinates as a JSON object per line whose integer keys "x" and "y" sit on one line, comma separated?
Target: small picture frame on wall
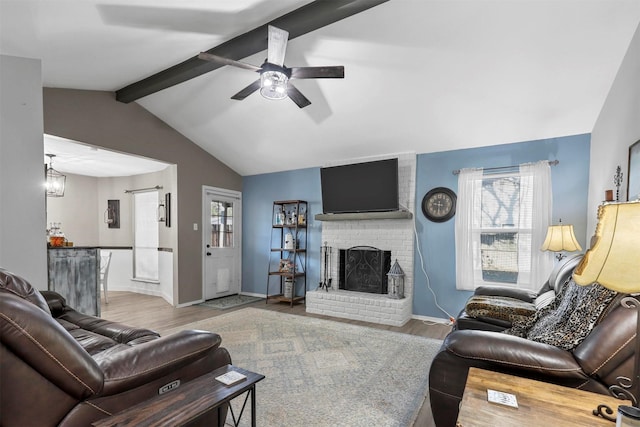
{"x": 112, "y": 215}
{"x": 633, "y": 175}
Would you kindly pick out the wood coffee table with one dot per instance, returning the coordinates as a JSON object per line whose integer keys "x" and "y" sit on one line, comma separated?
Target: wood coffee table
{"x": 539, "y": 403}
{"x": 188, "y": 402}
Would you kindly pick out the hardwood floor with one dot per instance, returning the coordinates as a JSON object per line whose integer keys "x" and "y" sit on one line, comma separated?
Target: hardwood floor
{"x": 155, "y": 313}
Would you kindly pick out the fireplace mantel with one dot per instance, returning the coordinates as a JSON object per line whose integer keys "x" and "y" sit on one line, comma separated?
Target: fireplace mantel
{"x": 364, "y": 215}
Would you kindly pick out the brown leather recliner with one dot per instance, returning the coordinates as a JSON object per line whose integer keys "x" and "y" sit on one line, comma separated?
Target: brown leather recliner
{"x": 63, "y": 368}
{"x": 557, "y": 278}
{"x": 605, "y": 354}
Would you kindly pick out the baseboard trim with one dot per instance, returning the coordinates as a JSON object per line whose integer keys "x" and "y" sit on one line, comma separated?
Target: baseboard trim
{"x": 430, "y": 319}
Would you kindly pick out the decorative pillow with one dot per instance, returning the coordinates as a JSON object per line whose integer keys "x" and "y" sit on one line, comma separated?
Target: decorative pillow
{"x": 497, "y": 307}
{"x": 567, "y": 321}
{"x": 545, "y": 299}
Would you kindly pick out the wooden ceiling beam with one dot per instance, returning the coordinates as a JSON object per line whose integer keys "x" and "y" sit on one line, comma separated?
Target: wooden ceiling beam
{"x": 303, "y": 20}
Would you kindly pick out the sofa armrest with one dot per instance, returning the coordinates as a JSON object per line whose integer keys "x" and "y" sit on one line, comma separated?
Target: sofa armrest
{"x": 128, "y": 367}
{"x": 55, "y": 301}
{"x": 512, "y": 352}
{"x": 501, "y": 291}
{"x": 480, "y": 323}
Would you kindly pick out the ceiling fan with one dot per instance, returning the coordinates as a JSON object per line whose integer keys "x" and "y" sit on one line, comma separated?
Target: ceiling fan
{"x": 274, "y": 81}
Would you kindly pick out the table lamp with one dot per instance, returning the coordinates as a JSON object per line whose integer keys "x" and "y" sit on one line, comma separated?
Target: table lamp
{"x": 613, "y": 261}
{"x": 560, "y": 238}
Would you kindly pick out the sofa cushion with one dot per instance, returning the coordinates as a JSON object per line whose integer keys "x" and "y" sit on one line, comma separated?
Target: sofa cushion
{"x": 499, "y": 307}
{"x": 92, "y": 343}
{"x": 117, "y": 332}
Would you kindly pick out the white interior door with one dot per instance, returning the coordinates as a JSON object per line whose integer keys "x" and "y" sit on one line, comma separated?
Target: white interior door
{"x": 221, "y": 242}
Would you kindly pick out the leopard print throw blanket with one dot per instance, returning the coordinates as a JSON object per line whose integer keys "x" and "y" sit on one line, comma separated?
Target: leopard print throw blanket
{"x": 567, "y": 321}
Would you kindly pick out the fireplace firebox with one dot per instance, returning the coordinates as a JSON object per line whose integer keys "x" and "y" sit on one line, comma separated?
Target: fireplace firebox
{"x": 364, "y": 269}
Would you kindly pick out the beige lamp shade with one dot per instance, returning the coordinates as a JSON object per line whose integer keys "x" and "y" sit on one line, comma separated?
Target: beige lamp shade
{"x": 560, "y": 238}
{"x": 614, "y": 259}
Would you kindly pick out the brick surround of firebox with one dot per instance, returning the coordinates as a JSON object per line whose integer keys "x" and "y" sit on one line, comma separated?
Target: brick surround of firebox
{"x": 395, "y": 235}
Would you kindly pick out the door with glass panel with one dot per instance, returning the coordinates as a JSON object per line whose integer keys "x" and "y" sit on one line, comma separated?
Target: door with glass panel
{"x": 221, "y": 241}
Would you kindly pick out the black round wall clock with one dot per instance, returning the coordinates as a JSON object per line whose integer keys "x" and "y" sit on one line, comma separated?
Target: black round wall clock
{"x": 439, "y": 204}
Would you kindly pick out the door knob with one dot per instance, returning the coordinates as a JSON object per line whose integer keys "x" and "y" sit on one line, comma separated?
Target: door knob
{"x": 208, "y": 253}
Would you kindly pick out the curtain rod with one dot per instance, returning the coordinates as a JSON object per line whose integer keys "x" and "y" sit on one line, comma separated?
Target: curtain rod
{"x": 157, "y": 187}
{"x": 551, "y": 163}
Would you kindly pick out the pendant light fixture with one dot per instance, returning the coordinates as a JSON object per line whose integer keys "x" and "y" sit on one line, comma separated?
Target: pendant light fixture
{"x": 55, "y": 181}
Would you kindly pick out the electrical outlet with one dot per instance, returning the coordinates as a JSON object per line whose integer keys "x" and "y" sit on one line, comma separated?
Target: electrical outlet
{"x": 195, "y": 226}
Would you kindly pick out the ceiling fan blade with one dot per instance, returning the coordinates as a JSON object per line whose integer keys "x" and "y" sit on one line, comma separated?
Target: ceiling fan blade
{"x": 226, "y": 61}
{"x": 332, "y": 72}
{"x": 297, "y": 96}
{"x": 277, "y": 46}
{"x": 247, "y": 91}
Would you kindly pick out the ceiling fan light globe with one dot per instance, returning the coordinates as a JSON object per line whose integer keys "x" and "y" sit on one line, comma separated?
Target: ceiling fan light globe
{"x": 273, "y": 84}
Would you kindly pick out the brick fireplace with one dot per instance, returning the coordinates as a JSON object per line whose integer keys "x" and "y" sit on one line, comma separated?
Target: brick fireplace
{"x": 392, "y": 235}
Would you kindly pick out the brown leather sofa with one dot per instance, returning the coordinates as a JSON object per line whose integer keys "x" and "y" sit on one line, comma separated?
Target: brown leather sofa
{"x": 605, "y": 354}
{"x": 63, "y": 368}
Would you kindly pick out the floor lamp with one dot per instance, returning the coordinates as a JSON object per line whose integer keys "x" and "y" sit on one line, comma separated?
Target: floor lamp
{"x": 613, "y": 262}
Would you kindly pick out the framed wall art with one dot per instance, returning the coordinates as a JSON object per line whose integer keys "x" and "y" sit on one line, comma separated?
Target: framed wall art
{"x": 112, "y": 215}
{"x": 633, "y": 175}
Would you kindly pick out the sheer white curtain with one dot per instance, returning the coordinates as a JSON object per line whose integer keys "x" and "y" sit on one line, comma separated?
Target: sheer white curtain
{"x": 145, "y": 236}
{"x": 535, "y": 185}
{"x": 530, "y": 208}
{"x": 466, "y": 226}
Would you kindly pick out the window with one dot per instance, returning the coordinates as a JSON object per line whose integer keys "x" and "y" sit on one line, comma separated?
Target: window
{"x": 145, "y": 236}
{"x": 221, "y": 224}
{"x": 501, "y": 223}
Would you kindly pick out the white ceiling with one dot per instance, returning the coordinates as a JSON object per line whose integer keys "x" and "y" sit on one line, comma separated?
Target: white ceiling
{"x": 83, "y": 159}
{"x": 420, "y": 75}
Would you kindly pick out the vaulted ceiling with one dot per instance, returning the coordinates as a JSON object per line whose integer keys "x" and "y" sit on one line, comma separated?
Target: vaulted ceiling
{"x": 420, "y": 75}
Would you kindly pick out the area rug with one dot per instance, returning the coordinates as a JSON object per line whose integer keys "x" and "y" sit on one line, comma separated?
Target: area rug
{"x": 231, "y": 301}
{"x": 325, "y": 373}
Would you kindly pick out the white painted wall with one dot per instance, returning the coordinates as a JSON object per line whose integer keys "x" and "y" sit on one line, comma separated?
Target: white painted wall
{"x": 617, "y": 127}
{"x": 76, "y": 211}
{"x": 22, "y": 202}
{"x": 121, "y": 273}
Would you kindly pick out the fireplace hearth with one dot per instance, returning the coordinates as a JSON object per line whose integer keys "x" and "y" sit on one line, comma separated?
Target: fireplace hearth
{"x": 364, "y": 269}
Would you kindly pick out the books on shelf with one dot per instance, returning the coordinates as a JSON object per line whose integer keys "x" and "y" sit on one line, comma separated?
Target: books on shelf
{"x": 231, "y": 377}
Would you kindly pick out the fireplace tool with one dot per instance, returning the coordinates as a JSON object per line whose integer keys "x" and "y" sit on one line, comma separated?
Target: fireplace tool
{"x": 330, "y": 270}
{"x": 324, "y": 283}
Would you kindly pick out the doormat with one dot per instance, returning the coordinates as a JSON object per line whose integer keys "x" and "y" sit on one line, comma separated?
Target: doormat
{"x": 231, "y": 301}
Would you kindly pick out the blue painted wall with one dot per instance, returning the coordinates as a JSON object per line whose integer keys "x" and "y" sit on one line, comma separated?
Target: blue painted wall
{"x": 570, "y": 188}
{"x": 258, "y": 194}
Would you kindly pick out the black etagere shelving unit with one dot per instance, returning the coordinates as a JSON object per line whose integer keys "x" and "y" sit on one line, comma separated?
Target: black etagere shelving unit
{"x": 287, "y": 276}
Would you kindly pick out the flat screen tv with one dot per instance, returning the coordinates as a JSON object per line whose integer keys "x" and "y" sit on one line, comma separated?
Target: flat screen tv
{"x": 360, "y": 187}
